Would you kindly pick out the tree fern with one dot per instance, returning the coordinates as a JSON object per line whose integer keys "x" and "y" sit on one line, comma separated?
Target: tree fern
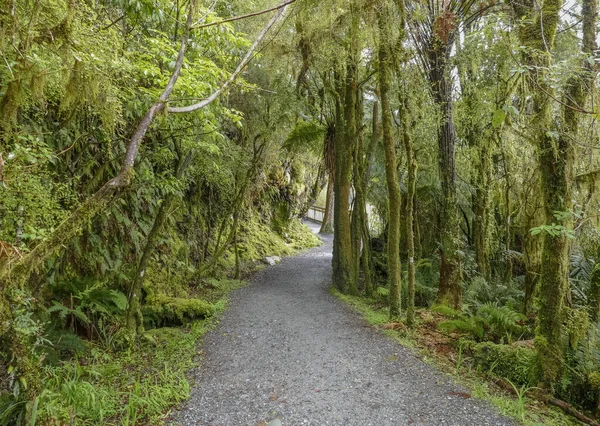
{"x": 306, "y": 135}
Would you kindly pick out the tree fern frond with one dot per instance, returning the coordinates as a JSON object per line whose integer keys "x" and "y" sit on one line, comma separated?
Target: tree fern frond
{"x": 306, "y": 136}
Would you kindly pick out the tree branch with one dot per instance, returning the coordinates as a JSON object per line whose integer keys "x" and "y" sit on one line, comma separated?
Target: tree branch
{"x": 249, "y": 15}
{"x": 280, "y": 11}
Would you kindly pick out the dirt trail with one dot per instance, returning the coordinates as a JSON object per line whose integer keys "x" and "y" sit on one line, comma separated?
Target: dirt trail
{"x": 288, "y": 352}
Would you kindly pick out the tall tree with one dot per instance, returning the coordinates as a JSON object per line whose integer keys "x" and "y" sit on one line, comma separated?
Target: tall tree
{"x": 386, "y": 57}
{"x": 434, "y": 37}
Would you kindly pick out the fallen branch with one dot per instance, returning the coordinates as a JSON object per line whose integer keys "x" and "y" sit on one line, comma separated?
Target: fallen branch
{"x": 541, "y": 396}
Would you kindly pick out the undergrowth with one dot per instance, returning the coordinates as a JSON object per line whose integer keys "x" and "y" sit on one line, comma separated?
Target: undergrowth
{"x": 102, "y": 385}
{"x": 90, "y": 378}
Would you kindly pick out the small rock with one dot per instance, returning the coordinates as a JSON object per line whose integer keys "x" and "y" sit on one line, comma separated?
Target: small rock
{"x": 272, "y": 260}
{"x": 275, "y": 422}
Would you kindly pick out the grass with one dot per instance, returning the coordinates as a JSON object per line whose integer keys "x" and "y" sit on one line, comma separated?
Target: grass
{"x": 451, "y": 360}
{"x": 137, "y": 386}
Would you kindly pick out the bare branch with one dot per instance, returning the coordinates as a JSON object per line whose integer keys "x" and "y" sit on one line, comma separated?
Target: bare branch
{"x": 238, "y": 70}
{"x": 249, "y": 15}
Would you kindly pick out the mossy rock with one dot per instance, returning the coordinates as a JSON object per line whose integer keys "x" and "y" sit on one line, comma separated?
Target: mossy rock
{"x": 513, "y": 362}
{"x": 164, "y": 310}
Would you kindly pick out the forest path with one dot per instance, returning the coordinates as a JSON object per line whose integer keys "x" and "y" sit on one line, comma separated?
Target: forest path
{"x": 288, "y": 352}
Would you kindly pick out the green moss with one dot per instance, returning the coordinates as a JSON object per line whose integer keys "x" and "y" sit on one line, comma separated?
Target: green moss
{"x": 257, "y": 240}
{"x": 372, "y": 316}
{"x": 515, "y": 363}
{"x": 162, "y": 310}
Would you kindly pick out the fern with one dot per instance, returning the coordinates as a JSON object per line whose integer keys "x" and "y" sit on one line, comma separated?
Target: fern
{"x": 447, "y": 311}
{"x": 501, "y": 321}
{"x": 64, "y": 312}
{"x": 306, "y": 135}
{"x": 382, "y": 292}
{"x": 470, "y": 326}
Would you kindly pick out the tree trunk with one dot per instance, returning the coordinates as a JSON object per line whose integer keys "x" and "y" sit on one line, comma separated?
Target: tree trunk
{"x": 537, "y": 33}
{"x": 450, "y": 291}
{"x": 393, "y": 186}
{"x": 327, "y": 225}
{"x": 344, "y": 277}
{"x": 410, "y": 200}
{"x": 481, "y": 208}
{"x": 532, "y": 244}
{"x": 135, "y": 320}
{"x": 359, "y": 208}
{"x": 134, "y": 317}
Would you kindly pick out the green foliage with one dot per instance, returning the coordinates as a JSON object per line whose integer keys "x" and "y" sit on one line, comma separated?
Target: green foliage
{"x": 513, "y": 362}
{"x": 306, "y": 136}
{"x": 161, "y": 310}
{"x": 490, "y": 322}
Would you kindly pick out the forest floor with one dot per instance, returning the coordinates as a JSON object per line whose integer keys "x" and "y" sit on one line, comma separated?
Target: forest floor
{"x": 288, "y": 352}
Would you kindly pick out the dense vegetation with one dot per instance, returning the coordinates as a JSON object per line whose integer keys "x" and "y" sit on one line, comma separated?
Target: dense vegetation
{"x": 150, "y": 153}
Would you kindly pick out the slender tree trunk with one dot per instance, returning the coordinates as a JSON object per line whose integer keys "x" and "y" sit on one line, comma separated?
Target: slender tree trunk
{"x": 393, "y": 186}
{"x": 327, "y": 225}
{"x": 366, "y": 252}
{"x": 481, "y": 208}
{"x": 135, "y": 320}
{"x": 329, "y": 162}
{"x": 359, "y": 208}
{"x": 134, "y": 317}
{"x": 410, "y": 200}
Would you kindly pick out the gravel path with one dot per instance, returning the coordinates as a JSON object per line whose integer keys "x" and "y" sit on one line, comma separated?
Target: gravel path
{"x": 288, "y": 352}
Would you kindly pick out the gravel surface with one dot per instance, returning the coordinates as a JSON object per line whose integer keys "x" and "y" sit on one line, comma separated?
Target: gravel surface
{"x": 288, "y": 352}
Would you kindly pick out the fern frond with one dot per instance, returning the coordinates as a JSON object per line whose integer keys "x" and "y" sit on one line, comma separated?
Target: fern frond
{"x": 306, "y": 136}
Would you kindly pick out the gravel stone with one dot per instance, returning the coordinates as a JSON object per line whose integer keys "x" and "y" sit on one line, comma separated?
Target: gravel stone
{"x": 287, "y": 352}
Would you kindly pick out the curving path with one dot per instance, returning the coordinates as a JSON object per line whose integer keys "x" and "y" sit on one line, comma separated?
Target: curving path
{"x": 287, "y": 352}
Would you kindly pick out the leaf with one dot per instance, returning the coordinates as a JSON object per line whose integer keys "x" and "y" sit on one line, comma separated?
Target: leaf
{"x": 512, "y": 110}
{"x": 498, "y": 118}
{"x": 119, "y": 299}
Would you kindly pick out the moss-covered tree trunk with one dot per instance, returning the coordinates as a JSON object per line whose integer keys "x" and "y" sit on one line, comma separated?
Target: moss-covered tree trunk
{"x": 342, "y": 245}
{"x": 389, "y": 146}
{"x": 555, "y": 156}
{"x": 577, "y": 92}
{"x": 329, "y": 160}
{"x": 359, "y": 208}
{"x": 450, "y": 291}
{"x": 481, "y": 210}
{"x": 410, "y": 210}
{"x": 532, "y": 244}
{"x": 366, "y": 253}
{"x": 134, "y": 318}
